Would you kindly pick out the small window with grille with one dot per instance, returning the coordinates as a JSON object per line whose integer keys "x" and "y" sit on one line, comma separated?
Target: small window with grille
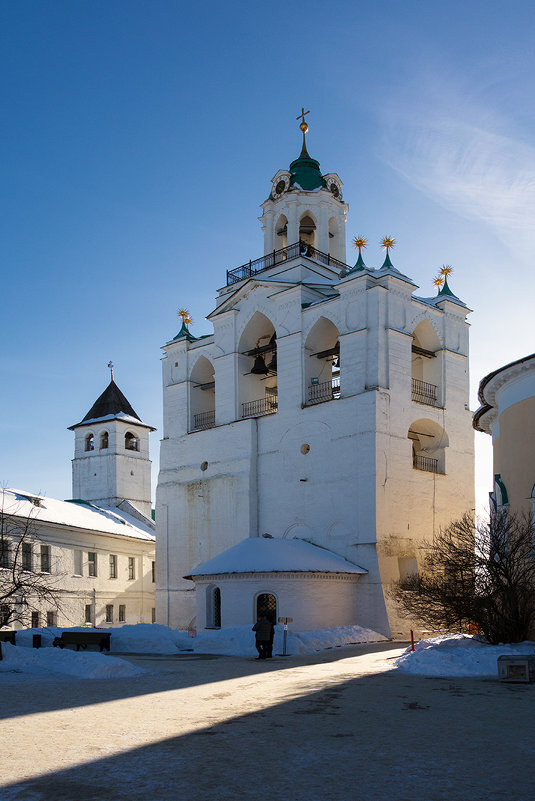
{"x": 109, "y": 613}
{"x": 122, "y": 613}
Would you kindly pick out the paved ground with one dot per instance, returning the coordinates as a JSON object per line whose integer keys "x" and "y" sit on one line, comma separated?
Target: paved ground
{"x": 338, "y": 726}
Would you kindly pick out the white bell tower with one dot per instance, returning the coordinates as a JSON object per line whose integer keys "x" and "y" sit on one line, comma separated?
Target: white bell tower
{"x": 305, "y": 206}
{"x": 111, "y": 462}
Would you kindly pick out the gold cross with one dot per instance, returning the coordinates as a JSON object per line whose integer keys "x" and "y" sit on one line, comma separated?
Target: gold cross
{"x": 303, "y": 113}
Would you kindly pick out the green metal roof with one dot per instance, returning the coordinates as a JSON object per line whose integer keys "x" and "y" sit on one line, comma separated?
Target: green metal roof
{"x": 306, "y": 172}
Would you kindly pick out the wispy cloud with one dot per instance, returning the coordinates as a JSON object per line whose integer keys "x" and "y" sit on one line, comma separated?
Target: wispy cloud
{"x": 467, "y": 167}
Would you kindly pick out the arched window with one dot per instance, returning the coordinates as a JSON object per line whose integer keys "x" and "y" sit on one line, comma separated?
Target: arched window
{"x": 307, "y": 230}
{"x": 131, "y": 442}
{"x": 202, "y": 395}
{"x": 281, "y": 233}
{"x": 213, "y": 607}
{"x": 322, "y": 363}
{"x": 258, "y": 368}
{"x": 89, "y": 442}
{"x": 266, "y": 606}
{"x": 429, "y": 443}
{"x": 104, "y": 440}
{"x": 426, "y": 368}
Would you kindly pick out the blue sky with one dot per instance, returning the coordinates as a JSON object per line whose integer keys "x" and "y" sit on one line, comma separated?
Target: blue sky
{"x": 139, "y": 139}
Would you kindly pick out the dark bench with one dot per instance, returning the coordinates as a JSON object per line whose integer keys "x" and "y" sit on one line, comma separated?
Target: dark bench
{"x": 8, "y": 636}
{"x": 84, "y": 638}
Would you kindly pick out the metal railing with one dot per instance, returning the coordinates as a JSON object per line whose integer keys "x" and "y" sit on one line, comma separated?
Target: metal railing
{"x": 326, "y": 391}
{"x": 284, "y": 254}
{"x": 258, "y": 408}
{"x": 426, "y": 463}
{"x": 422, "y": 392}
{"x": 203, "y": 420}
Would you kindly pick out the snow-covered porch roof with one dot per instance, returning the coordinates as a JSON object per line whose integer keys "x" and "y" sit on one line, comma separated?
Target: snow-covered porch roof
{"x": 275, "y": 555}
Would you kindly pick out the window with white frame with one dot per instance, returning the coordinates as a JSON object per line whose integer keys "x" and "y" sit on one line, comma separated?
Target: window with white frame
{"x": 131, "y": 568}
{"x": 113, "y": 566}
{"x": 92, "y": 563}
{"x": 5, "y": 614}
{"x": 153, "y": 614}
{"x": 88, "y": 613}
{"x": 26, "y": 554}
{"x": 122, "y": 613}
{"x": 5, "y": 552}
{"x": 78, "y": 562}
{"x": 45, "y": 559}
{"x": 51, "y": 618}
{"x": 109, "y": 613}
{"x": 35, "y": 620}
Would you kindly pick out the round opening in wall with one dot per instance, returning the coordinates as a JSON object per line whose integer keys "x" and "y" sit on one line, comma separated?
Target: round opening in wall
{"x": 305, "y": 447}
{"x": 204, "y": 466}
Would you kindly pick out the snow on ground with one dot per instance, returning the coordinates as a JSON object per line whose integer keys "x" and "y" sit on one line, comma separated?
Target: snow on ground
{"x": 155, "y": 639}
{"x": 47, "y": 662}
{"x": 458, "y": 655}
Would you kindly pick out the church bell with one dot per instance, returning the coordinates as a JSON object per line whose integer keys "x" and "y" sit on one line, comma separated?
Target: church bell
{"x": 259, "y": 366}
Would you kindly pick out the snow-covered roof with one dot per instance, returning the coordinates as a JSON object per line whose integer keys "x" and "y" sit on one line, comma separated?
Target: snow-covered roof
{"x": 75, "y": 514}
{"x": 275, "y": 555}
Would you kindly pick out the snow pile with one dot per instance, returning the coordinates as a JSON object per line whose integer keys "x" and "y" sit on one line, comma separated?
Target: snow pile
{"x": 147, "y": 638}
{"x": 458, "y": 655}
{"x": 46, "y": 662}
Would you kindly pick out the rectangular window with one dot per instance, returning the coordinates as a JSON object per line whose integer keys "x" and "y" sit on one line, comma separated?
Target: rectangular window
{"x": 5, "y": 613}
{"x": 51, "y": 619}
{"x": 4, "y": 553}
{"x": 26, "y": 556}
{"x": 35, "y": 620}
{"x": 92, "y": 563}
{"x": 131, "y": 567}
{"x": 113, "y": 566}
{"x": 88, "y": 615}
{"x": 154, "y": 614}
{"x": 122, "y": 613}
{"x": 153, "y": 572}
{"x": 45, "y": 559}
{"x": 109, "y": 613}
{"x": 78, "y": 559}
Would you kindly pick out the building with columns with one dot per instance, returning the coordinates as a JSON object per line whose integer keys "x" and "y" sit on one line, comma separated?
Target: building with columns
{"x": 330, "y": 405}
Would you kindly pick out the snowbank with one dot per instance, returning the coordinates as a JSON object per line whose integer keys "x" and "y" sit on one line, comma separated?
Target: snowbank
{"x": 49, "y": 662}
{"x": 458, "y": 655}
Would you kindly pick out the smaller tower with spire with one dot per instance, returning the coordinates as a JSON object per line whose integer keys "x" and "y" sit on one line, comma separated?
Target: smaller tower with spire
{"x": 111, "y": 462}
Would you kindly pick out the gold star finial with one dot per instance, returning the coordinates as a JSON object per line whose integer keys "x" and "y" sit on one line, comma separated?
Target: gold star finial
{"x": 438, "y": 282}
{"x": 186, "y": 317}
{"x": 387, "y": 242}
{"x": 359, "y": 242}
{"x": 446, "y": 270}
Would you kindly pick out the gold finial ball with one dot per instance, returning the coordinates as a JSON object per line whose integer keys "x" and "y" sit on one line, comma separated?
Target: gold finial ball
{"x": 359, "y": 242}
{"x": 304, "y": 127}
{"x": 186, "y": 316}
{"x": 387, "y": 242}
{"x": 446, "y": 270}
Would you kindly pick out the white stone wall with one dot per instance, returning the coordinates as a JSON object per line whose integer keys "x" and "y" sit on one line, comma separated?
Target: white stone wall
{"x": 313, "y": 600}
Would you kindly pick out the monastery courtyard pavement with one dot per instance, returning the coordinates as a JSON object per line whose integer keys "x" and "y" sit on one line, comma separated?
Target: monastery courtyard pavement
{"x": 334, "y": 726}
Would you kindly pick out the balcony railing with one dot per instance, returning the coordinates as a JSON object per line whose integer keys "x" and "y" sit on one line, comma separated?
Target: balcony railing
{"x": 326, "y": 391}
{"x": 422, "y": 392}
{"x": 203, "y": 420}
{"x": 258, "y": 408}
{"x": 284, "y": 254}
{"x": 426, "y": 463}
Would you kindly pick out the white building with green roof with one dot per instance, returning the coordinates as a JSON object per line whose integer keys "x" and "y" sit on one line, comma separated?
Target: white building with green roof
{"x": 329, "y": 405}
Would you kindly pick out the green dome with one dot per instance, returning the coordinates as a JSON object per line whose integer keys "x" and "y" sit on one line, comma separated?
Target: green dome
{"x": 306, "y": 172}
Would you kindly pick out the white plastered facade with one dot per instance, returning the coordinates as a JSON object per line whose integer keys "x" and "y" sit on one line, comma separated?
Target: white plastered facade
{"x": 368, "y": 470}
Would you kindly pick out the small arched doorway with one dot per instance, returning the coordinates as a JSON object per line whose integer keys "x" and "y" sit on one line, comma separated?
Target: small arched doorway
{"x": 266, "y": 606}
{"x": 213, "y": 607}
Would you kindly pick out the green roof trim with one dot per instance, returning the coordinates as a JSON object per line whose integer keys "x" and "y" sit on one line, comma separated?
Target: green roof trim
{"x": 387, "y": 263}
{"x": 184, "y": 333}
{"x": 501, "y": 485}
{"x": 359, "y": 265}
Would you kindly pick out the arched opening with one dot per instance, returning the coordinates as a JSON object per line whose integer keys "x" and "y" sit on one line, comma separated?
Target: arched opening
{"x": 307, "y": 230}
{"x": 258, "y": 368}
{"x": 104, "y": 440}
{"x": 322, "y": 363}
{"x": 202, "y": 395}
{"x": 131, "y": 442}
{"x": 426, "y": 367}
{"x": 89, "y": 442}
{"x": 266, "y": 606}
{"x": 429, "y": 443}
{"x": 213, "y": 607}
{"x": 281, "y": 233}
{"x": 334, "y": 239}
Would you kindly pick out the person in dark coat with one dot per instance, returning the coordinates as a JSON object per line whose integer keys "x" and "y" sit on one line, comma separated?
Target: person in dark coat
{"x": 262, "y": 630}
